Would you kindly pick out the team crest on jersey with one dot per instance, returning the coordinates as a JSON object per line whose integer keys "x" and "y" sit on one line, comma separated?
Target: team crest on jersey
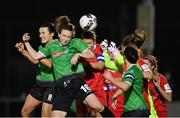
{"x": 55, "y": 54}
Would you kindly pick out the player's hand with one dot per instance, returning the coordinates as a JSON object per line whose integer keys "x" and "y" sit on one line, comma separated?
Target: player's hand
{"x": 116, "y": 52}
{"x": 20, "y": 46}
{"x": 26, "y": 37}
{"x": 114, "y": 103}
{"x": 74, "y": 59}
{"x": 104, "y": 45}
{"x": 113, "y": 50}
{"x": 112, "y": 46}
{"x": 156, "y": 80}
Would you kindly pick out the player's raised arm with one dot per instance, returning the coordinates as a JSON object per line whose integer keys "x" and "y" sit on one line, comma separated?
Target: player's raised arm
{"x": 20, "y": 48}
{"x": 32, "y": 52}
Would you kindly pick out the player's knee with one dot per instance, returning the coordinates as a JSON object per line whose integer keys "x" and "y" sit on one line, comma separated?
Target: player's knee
{"x": 25, "y": 112}
{"x": 99, "y": 107}
{"x": 46, "y": 113}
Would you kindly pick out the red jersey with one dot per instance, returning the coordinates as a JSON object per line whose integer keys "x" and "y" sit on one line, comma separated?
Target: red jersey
{"x": 158, "y": 100}
{"x": 111, "y": 90}
{"x": 94, "y": 77}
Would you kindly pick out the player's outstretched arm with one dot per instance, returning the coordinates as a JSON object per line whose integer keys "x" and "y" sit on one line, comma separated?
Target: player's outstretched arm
{"x": 20, "y": 48}
{"x": 34, "y": 54}
{"x": 97, "y": 65}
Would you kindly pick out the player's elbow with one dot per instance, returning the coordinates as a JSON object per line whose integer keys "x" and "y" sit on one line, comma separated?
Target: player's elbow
{"x": 125, "y": 87}
{"x": 34, "y": 62}
{"x": 49, "y": 66}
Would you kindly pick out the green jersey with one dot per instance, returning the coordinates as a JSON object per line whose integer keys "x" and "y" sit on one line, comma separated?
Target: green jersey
{"x": 61, "y": 57}
{"x": 44, "y": 75}
{"x": 133, "y": 98}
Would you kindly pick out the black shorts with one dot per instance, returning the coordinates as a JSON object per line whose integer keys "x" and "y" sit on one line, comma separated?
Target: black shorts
{"x": 136, "y": 113}
{"x": 44, "y": 94}
{"x": 69, "y": 90}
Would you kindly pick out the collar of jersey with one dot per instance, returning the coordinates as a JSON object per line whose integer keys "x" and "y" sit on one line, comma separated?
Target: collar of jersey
{"x": 131, "y": 66}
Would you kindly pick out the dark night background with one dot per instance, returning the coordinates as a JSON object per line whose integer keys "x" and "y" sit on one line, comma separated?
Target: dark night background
{"x": 115, "y": 20}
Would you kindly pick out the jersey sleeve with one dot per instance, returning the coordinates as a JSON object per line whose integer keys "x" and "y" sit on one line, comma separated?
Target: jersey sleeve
{"x": 164, "y": 84}
{"x": 98, "y": 52}
{"x": 45, "y": 51}
{"x": 129, "y": 78}
{"x": 79, "y": 45}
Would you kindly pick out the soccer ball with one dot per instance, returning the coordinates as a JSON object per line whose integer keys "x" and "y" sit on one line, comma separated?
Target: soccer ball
{"x": 88, "y": 22}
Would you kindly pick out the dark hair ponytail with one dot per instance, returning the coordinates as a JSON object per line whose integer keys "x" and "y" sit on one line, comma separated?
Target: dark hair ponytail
{"x": 50, "y": 27}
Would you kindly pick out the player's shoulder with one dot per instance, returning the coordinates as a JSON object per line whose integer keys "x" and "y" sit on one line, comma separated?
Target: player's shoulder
{"x": 162, "y": 77}
{"x": 76, "y": 39}
{"x": 97, "y": 48}
{"x": 54, "y": 42}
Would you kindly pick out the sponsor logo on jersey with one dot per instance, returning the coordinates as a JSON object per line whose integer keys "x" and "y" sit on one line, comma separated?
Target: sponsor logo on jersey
{"x": 55, "y": 54}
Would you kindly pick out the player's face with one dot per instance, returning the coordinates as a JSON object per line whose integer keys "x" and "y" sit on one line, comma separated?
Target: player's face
{"x": 90, "y": 43}
{"x": 45, "y": 35}
{"x": 65, "y": 36}
{"x": 146, "y": 61}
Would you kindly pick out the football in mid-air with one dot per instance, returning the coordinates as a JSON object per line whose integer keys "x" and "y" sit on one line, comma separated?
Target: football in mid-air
{"x": 88, "y": 22}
